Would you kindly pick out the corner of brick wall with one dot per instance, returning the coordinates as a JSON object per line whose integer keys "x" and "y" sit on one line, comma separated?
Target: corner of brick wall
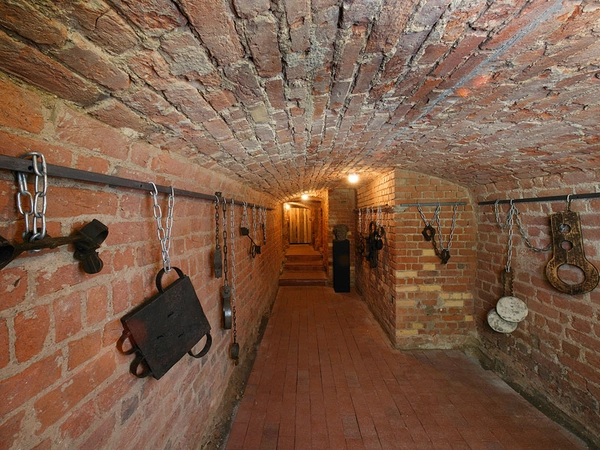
{"x": 420, "y": 302}
{"x": 63, "y": 383}
{"x": 554, "y": 354}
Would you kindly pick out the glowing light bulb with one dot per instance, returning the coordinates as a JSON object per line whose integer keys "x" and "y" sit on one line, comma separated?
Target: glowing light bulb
{"x": 304, "y": 197}
{"x": 353, "y": 178}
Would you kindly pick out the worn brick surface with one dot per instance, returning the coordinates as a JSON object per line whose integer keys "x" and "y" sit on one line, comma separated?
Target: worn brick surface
{"x": 266, "y": 100}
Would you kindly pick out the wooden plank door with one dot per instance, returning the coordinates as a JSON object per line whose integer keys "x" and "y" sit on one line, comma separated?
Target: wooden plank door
{"x": 300, "y": 226}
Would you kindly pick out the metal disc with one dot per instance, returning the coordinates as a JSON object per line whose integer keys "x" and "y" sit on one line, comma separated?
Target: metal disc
{"x": 498, "y": 324}
{"x": 512, "y": 309}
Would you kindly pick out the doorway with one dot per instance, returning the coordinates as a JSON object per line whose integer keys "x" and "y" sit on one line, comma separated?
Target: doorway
{"x": 300, "y": 225}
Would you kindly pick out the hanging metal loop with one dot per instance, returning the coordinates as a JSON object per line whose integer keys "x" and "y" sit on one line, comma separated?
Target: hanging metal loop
{"x": 164, "y": 233}
{"x": 36, "y": 203}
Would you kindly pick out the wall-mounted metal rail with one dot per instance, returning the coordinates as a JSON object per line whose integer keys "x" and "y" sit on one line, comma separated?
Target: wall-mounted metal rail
{"x": 433, "y": 204}
{"x": 24, "y": 165}
{"x": 551, "y": 198}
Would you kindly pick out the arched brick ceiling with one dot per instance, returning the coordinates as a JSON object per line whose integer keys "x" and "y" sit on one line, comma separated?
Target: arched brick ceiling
{"x": 293, "y": 95}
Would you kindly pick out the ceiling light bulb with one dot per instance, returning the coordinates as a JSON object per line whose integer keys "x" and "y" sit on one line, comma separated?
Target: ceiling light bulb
{"x": 304, "y": 197}
{"x": 353, "y": 178}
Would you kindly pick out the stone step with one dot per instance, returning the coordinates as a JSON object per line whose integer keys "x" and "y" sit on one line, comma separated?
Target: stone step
{"x": 303, "y": 258}
{"x": 303, "y": 278}
{"x": 305, "y": 266}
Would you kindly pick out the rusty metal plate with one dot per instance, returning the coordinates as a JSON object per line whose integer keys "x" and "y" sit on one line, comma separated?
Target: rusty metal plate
{"x": 168, "y": 325}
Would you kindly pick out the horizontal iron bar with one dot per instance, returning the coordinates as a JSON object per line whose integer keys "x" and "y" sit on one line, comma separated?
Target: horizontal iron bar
{"x": 24, "y": 165}
{"x": 552, "y": 198}
{"x": 433, "y": 204}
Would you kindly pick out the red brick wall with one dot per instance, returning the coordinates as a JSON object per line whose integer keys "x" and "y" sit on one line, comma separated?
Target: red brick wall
{"x": 419, "y": 301}
{"x": 377, "y": 285}
{"x": 554, "y": 355}
{"x": 62, "y": 382}
{"x": 342, "y": 203}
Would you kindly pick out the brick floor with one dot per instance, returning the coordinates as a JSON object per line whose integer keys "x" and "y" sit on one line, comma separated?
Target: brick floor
{"x": 325, "y": 377}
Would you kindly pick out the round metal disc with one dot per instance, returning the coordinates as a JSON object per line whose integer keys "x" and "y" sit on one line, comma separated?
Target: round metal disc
{"x": 512, "y": 309}
{"x": 498, "y": 324}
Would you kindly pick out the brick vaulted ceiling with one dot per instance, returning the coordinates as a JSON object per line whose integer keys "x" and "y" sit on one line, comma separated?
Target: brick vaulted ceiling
{"x": 293, "y": 95}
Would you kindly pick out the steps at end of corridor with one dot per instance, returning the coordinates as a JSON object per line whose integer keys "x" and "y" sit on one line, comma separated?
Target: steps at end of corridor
{"x": 303, "y": 278}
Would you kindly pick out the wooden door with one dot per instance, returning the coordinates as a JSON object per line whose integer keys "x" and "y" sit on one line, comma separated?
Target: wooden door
{"x": 300, "y": 226}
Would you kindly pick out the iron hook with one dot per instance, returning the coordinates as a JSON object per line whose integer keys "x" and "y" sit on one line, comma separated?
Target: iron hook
{"x": 155, "y": 193}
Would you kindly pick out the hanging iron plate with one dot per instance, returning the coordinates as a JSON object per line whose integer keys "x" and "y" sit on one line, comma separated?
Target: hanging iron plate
{"x": 498, "y": 324}
{"x": 512, "y": 309}
{"x": 167, "y": 326}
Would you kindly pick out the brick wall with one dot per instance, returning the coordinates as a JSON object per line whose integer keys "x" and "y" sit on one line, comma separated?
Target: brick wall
{"x": 342, "y": 203}
{"x": 419, "y": 301}
{"x": 554, "y": 355}
{"x": 62, "y": 381}
{"x": 377, "y": 285}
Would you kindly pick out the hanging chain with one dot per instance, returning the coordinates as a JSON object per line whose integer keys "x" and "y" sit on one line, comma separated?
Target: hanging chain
{"x": 264, "y": 224}
{"x": 233, "y": 279}
{"x": 526, "y": 238}
{"x": 452, "y": 227}
{"x": 379, "y": 219}
{"x": 245, "y": 215}
{"x": 433, "y": 219}
{"x": 164, "y": 234}
{"x": 360, "y": 221}
{"x": 38, "y": 201}
{"x": 512, "y": 216}
{"x": 225, "y": 268}
{"x": 217, "y": 204}
{"x": 509, "y": 251}
{"x": 254, "y": 222}
{"x": 232, "y": 243}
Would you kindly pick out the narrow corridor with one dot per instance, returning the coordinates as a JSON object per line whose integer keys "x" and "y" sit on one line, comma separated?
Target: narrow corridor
{"x": 325, "y": 377}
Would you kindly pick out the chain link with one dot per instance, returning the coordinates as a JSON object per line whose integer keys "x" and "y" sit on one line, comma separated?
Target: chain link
{"x": 38, "y": 202}
{"x": 233, "y": 279}
{"x": 509, "y": 251}
{"x": 164, "y": 234}
{"x": 232, "y": 243}
{"x": 360, "y": 221}
{"x": 513, "y": 216}
{"x": 217, "y": 235}
{"x": 452, "y": 227}
{"x": 245, "y": 215}
{"x": 225, "y": 268}
{"x": 263, "y": 220}
{"x": 254, "y": 222}
{"x": 433, "y": 219}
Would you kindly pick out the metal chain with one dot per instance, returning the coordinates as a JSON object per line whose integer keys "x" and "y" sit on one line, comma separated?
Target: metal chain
{"x": 379, "y": 219}
{"x": 264, "y": 224}
{"x": 433, "y": 219}
{"x": 254, "y": 222}
{"x": 233, "y": 279}
{"x": 217, "y": 235}
{"x": 360, "y": 221}
{"x": 245, "y": 216}
{"x": 164, "y": 234}
{"x": 232, "y": 243}
{"x": 225, "y": 268}
{"x": 512, "y": 216}
{"x": 452, "y": 227}
{"x": 517, "y": 219}
{"x": 37, "y": 202}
